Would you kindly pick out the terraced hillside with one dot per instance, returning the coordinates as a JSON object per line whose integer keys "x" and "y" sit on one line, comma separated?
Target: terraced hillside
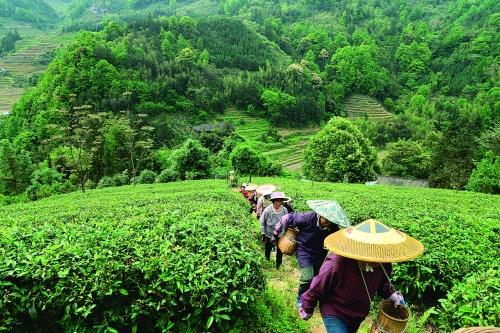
{"x": 358, "y": 105}
{"x": 21, "y": 63}
{"x": 287, "y": 151}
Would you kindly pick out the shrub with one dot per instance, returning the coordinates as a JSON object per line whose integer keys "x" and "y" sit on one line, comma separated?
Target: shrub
{"x": 120, "y": 179}
{"x": 406, "y": 159}
{"x": 472, "y": 302}
{"x": 247, "y": 160}
{"x": 105, "y": 181}
{"x": 486, "y": 177}
{"x": 192, "y": 160}
{"x": 167, "y": 175}
{"x": 146, "y": 177}
{"x": 46, "y": 182}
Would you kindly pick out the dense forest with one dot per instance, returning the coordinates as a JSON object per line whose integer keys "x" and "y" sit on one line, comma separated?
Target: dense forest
{"x": 122, "y": 99}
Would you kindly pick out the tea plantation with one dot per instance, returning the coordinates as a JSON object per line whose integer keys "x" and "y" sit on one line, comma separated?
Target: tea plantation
{"x": 184, "y": 257}
{"x": 174, "y": 258}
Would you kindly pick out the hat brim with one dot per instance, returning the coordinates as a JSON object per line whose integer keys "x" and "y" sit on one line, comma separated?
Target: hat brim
{"x": 265, "y": 188}
{"x": 280, "y": 198}
{"x": 331, "y": 211}
{"x": 342, "y": 245}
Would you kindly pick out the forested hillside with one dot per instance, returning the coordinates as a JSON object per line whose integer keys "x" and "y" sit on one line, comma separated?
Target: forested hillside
{"x": 124, "y": 98}
{"x": 36, "y": 12}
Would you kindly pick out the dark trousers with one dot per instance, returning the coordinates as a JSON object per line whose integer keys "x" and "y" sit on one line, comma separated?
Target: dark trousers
{"x": 267, "y": 252}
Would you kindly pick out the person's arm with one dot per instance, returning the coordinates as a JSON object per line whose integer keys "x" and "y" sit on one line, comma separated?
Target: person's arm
{"x": 322, "y": 283}
{"x": 263, "y": 218}
{"x": 291, "y": 220}
{"x": 260, "y": 206}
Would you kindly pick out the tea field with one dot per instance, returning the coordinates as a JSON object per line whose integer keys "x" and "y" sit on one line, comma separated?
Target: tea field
{"x": 185, "y": 257}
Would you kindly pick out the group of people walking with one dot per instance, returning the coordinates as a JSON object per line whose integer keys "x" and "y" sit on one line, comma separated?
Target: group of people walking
{"x": 341, "y": 266}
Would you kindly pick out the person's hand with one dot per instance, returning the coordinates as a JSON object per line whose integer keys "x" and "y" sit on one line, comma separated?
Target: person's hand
{"x": 274, "y": 239}
{"x": 397, "y": 298}
{"x": 304, "y": 315}
{"x": 263, "y": 238}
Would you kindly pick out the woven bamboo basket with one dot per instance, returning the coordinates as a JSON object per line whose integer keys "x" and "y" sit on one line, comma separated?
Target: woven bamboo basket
{"x": 287, "y": 243}
{"x": 479, "y": 330}
{"x": 391, "y": 319}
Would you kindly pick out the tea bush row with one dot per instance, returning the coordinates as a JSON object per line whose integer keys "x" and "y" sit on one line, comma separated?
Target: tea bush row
{"x": 149, "y": 258}
{"x": 460, "y": 230}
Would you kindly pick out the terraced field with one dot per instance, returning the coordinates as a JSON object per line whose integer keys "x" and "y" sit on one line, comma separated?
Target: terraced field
{"x": 288, "y": 151}
{"x": 358, "y": 105}
{"x": 20, "y": 62}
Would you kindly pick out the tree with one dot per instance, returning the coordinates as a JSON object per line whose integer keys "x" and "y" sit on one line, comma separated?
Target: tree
{"x": 406, "y": 159}
{"x": 280, "y": 105}
{"x": 414, "y": 60}
{"x": 339, "y": 152}
{"x": 247, "y": 160}
{"x": 358, "y": 69}
{"x": 453, "y": 157}
{"x": 15, "y": 169}
{"x": 486, "y": 177}
{"x": 191, "y": 160}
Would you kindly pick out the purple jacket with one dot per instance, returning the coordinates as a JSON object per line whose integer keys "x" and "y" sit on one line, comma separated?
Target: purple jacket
{"x": 310, "y": 249}
{"x": 340, "y": 290}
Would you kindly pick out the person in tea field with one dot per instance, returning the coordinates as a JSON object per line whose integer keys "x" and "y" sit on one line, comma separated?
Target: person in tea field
{"x": 314, "y": 227}
{"x": 263, "y": 202}
{"x": 357, "y": 267}
{"x": 268, "y": 220}
{"x": 251, "y": 196}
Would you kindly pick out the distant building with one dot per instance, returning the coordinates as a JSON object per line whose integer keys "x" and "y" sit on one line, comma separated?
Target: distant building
{"x": 400, "y": 181}
{"x": 207, "y": 127}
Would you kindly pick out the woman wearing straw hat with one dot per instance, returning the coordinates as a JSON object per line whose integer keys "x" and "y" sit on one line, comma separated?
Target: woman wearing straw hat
{"x": 313, "y": 227}
{"x": 268, "y": 220}
{"x": 251, "y": 196}
{"x": 264, "y": 194}
{"x": 358, "y": 268}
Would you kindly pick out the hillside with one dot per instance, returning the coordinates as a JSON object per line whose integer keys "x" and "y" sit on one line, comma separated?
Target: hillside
{"x": 288, "y": 151}
{"x": 31, "y": 56}
{"x": 117, "y": 242}
{"x": 362, "y": 106}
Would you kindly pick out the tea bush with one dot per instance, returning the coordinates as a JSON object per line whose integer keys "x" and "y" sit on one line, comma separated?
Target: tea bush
{"x": 146, "y": 258}
{"x": 473, "y": 302}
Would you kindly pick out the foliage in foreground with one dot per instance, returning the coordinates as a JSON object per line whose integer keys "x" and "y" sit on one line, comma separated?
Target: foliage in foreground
{"x": 460, "y": 232}
{"x": 144, "y": 258}
{"x": 473, "y": 302}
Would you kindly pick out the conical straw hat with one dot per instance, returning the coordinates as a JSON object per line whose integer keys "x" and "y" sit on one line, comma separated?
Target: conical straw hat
{"x": 330, "y": 210}
{"x": 250, "y": 187}
{"x": 374, "y": 241}
{"x": 268, "y": 188}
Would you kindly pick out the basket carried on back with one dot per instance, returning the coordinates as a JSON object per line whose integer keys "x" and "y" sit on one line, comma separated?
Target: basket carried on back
{"x": 287, "y": 243}
{"x": 391, "y": 319}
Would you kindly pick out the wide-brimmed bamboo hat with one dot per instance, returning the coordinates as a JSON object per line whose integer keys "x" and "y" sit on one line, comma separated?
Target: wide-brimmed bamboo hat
{"x": 330, "y": 210}
{"x": 250, "y": 187}
{"x": 267, "y": 188}
{"x": 375, "y": 242}
{"x": 278, "y": 195}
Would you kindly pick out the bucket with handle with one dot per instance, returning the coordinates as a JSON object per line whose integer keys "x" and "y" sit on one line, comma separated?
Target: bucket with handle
{"x": 391, "y": 318}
